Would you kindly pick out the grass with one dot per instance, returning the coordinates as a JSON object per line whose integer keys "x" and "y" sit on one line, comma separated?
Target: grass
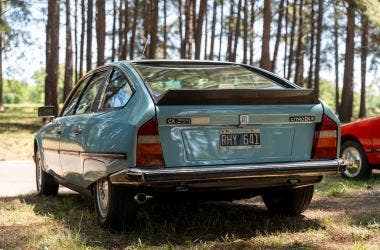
{"x": 68, "y": 221}
{"x": 340, "y": 187}
{"x": 18, "y": 123}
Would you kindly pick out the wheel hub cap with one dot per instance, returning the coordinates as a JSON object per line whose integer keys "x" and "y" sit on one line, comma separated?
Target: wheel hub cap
{"x": 102, "y": 193}
{"x": 353, "y": 161}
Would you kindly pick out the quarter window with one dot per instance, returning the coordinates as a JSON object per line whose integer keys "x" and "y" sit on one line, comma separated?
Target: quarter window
{"x": 89, "y": 94}
{"x": 118, "y": 91}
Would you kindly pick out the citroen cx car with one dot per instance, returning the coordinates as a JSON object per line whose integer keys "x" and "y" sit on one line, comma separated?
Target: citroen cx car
{"x": 132, "y": 131}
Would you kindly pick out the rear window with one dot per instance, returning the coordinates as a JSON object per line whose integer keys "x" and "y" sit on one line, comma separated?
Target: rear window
{"x": 167, "y": 77}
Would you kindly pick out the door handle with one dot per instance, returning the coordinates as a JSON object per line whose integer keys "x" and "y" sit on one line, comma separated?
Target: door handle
{"x": 77, "y": 131}
{"x": 58, "y": 131}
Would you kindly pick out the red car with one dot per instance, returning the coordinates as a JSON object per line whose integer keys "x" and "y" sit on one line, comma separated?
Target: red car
{"x": 361, "y": 147}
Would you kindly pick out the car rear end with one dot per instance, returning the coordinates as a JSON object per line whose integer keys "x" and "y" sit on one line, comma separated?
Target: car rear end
{"x": 223, "y": 126}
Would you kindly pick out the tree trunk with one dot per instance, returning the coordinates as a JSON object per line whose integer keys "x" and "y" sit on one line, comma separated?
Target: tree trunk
{"x": 252, "y": 33}
{"x": 363, "y": 64}
{"x": 1, "y": 67}
{"x": 348, "y": 86}
{"x": 237, "y": 31}
{"x": 292, "y": 34}
{"x": 81, "y": 53}
{"x": 206, "y": 34}
{"x": 286, "y": 35}
{"x": 153, "y": 29}
{"x": 124, "y": 38}
{"x": 213, "y": 23}
{"x": 311, "y": 52}
{"x": 190, "y": 28}
{"x": 134, "y": 26}
{"x": 278, "y": 35}
{"x": 199, "y": 27}
{"x": 113, "y": 35}
{"x": 100, "y": 31}
{"x": 68, "y": 82}
{"x": 120, "y": 31}
{"x": 245, "y": 31}
{"x": 89, "y": 35}
{"x": 336, "y": 58}
{"x": 300, "y": 48}
{"x": 76, "y": 41}
{"x": 221, "y": 29}
{"x": 318, "y": 47}
{"x": 267, "y": 12}
{"x": 165, "y": 31}
{"x": 52, "y": 54}
{"x": 180, "y": 24}
{"x": 230, "y": 29}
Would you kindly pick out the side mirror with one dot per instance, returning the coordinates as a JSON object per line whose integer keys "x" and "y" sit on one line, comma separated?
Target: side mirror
{"x": 47, "y": 111}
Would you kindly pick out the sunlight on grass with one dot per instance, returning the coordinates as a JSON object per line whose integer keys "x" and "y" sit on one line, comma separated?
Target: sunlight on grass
{"x": 339, "y": 187}
{"x": 18, "y": 123}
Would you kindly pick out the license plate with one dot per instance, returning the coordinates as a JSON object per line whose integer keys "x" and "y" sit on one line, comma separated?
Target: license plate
{"x": 239, "y": 138}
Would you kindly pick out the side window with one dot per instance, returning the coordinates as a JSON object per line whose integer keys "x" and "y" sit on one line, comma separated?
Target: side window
{"x": 70, "y": 107}
{"x": 117, "y": 92}
{"x": 89, "y": 95}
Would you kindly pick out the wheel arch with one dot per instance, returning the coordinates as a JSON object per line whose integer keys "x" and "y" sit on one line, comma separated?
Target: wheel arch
{"x": 350, "y": 137}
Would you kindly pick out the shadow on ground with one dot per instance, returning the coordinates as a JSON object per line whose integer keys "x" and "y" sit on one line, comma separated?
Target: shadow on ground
{"x": 17, "y": 127}
{"x": 170, "y": 224}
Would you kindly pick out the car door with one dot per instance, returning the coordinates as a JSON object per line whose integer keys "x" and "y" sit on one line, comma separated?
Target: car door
{"x": 50, "y": 145}
{"x": 74, "y": 124}
{"x": 375, "y": 133}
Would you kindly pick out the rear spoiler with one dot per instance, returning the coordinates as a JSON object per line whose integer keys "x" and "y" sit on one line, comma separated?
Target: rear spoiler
{"x": 237, "y": 97}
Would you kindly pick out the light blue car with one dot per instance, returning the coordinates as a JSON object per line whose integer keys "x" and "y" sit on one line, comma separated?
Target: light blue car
{"x": 135, "y": 130}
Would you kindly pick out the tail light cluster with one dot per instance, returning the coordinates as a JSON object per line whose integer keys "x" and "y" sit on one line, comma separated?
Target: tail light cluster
{"x": 325, "y": 139}
{"x": 149, "y": 150}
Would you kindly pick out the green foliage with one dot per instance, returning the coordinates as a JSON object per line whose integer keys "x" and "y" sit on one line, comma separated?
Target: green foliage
{"x": 327, "y": 95}
{"x": 39, "y": 78}
{"x": 15, "y": 91}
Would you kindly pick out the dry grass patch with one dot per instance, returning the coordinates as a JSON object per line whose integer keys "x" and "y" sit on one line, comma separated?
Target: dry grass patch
{"x": 68, "y": 221}
{"x": 18, "y": 123}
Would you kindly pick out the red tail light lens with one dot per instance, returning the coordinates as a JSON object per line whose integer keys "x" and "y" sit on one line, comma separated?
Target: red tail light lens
{"x": 149, "y": 151}
{"x": 325, "y": 139}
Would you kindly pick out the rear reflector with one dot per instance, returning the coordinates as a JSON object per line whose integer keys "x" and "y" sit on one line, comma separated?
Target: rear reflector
{"x": 325, "y": 139}
{"x": 149, "y": 150}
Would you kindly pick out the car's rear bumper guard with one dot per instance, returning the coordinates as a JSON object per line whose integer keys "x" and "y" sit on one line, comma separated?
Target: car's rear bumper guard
{"x": 136, "y": 176}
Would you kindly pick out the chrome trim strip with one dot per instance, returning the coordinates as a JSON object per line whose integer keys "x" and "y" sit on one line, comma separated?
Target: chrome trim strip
{"x": 137, "y": 176}
{"x": 120, "y": 156}
{"x": 69, "y": 152}
{"x": 104, "y": 155}
{"x": 377, "y": 150}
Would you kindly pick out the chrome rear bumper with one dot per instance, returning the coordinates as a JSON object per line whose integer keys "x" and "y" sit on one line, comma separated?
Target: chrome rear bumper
{"x": 228, "y": 174}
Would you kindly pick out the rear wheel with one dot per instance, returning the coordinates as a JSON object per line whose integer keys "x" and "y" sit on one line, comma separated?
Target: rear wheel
{"x": 114, "y": 205}
{"x": 46, "y": 184}
{"x": 357, "y": 167}
{"x": 292, "y": 202}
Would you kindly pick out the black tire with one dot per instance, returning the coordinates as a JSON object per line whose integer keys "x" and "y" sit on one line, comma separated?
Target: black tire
{"x": 46, "y": 184}
{"x": 120, "y": 213}
{"x": 357, "y": 167}
{"x": 290, "y": 202}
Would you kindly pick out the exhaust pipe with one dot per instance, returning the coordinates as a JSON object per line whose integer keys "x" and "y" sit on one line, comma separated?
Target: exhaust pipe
{"x": 142, "y": 198}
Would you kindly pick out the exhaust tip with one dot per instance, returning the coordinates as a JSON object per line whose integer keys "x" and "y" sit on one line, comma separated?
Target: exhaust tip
{"x": 142, "y": 198}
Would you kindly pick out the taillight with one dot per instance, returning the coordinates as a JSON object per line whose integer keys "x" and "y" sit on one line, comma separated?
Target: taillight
{"x": 325, "y": 139}
{"x": 149, "y": 151}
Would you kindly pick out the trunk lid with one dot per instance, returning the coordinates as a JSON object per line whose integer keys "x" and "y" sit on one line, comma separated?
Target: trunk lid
{"x": 238, "y": 130}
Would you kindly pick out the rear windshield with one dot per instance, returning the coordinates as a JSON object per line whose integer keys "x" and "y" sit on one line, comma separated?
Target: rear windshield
{"x": 167, "y": 77}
